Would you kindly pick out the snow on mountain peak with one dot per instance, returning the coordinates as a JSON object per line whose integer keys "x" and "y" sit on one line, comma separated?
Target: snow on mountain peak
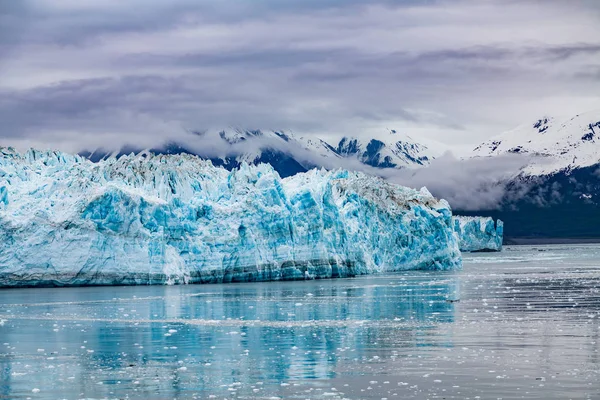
{"x": 562, "y": 143}
{"x": 289, "y": 153}
{"x": 392, "y": 150}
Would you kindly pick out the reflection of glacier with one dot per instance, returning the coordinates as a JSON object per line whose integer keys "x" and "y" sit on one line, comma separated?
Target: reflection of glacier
{"x": 268, "y": 333}
{"x": 177, "y": 219}
{"x": 478, "y": 233}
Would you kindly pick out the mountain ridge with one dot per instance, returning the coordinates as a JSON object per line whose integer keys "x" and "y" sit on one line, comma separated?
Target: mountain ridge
{"x": 288, "y": 153}
{"x": 557, "y": 143}
{"x": 559, "y": 180}
{"x": 557, "y": 193}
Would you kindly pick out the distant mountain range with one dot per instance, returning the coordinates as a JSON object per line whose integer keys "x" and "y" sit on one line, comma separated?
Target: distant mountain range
{"x": 558, "y": 145}
{"x": 290, "y": 154}
{"x": 393, "y": 150}
{"x": 557, "y": 194}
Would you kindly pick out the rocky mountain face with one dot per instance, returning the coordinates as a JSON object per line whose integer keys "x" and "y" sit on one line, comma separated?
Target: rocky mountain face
{"x": 390, "y": 151}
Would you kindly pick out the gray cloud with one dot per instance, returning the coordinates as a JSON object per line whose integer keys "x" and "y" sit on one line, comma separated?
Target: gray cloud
{"x": 473, "y": 184}
{"x": 565, "y": 52}
{"x": 73, "y": 74}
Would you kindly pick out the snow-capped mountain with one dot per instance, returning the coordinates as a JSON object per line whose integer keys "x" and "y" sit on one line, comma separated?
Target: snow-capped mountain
{"x": 558, "y": 144}
{"x": 393, "y": 150}
{"x": 557, "y": 194}
{"x": 249, "y": 143}
{"x": 290, "y": 154}
{"x": 286, "y": 152}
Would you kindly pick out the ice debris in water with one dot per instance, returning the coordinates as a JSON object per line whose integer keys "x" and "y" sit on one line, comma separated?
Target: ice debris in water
{"x": 145, "y": 219}
{"x": 479, "y": 233}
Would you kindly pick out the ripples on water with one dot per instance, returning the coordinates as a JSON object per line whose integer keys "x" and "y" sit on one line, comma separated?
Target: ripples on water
{"x": 520, "y": 324}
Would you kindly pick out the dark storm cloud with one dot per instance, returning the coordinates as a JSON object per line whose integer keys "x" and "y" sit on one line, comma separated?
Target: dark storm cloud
{"x": 82, "y": 23}
{"x": 259, "y": 58}
{"x": 564, "y": 52}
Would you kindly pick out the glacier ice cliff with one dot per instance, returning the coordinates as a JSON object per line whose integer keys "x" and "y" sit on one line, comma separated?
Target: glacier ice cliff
{"x": 149, "y": 219}
{"x": 478, "y": 233}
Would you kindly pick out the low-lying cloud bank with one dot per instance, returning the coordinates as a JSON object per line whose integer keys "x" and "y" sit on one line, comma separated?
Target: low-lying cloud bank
{"x": 108, "y": 71}
{"x": 469, "y": 184}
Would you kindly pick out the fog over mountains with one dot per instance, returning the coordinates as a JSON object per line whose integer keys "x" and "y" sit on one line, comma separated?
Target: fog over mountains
{"x": 532, "y": 174}
{"x": 535, "y": 173}
{"x": 557, "y": 192}
{"x": 290, "y": 153}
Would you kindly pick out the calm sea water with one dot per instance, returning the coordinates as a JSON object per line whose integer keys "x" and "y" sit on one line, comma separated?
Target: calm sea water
{"x": 524, "y": 323}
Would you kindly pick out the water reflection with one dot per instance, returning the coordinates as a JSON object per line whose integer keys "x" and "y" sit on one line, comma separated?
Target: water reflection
{"x": 226, "y": 340}
{"x": 520, "y": 324}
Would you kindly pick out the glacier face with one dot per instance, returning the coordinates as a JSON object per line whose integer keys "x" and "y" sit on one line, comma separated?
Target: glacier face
{"x": 478, "y": 233}
{"x": 149, "y": 219}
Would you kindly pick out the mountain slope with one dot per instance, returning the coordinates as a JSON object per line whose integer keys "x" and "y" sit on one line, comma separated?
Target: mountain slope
{"x": 231, "y": 148}
{"x": 563, "y": 204}
{"x": 557, "y": 195}
{"x": 558, "y": 144}
{"x": 393, "y": 150}
{"x": 290, "y": 154}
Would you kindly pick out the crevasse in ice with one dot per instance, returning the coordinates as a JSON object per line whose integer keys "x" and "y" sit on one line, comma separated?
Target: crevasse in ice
{"x": 478, "y": 233}
{"x": 177, "y": 219}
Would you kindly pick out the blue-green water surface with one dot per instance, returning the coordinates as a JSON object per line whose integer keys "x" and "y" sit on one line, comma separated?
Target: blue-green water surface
{"x": 524, "y": 323}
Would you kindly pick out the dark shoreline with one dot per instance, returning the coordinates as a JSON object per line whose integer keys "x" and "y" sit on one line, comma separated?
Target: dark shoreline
{"x": 534, "y": 241}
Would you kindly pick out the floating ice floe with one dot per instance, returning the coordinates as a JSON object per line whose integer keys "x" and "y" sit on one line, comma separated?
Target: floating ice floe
{"x": 479, "y": 233}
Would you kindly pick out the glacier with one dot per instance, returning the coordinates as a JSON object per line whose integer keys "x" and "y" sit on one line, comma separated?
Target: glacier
{"x": 478, "y": 233}
{"x": 174, "y": 219}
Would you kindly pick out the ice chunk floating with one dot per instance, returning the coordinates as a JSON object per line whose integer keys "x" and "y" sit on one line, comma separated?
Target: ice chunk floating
{"x": 479, "y": 233}
{"x": 177, "y": 219}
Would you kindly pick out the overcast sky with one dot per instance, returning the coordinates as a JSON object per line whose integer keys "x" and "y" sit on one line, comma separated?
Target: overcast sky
{"x": 80, "y": 73}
